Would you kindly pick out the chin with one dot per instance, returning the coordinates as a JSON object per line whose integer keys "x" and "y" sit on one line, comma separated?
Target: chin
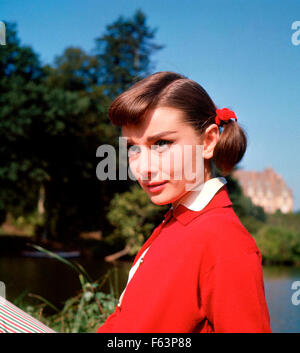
{"x": 160, "y": 201}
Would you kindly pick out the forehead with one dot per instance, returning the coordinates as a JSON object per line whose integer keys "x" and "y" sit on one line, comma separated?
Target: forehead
{"x": 154, "y": 122}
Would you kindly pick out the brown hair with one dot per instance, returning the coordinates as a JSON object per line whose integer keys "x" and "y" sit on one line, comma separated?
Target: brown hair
{"x": 170, "y": 89}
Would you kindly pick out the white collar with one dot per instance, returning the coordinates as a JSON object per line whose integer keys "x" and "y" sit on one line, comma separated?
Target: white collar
{"x": 197, "y": 200}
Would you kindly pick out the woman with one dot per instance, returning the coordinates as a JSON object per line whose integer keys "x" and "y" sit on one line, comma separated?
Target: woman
{"x": 200, "y": 270}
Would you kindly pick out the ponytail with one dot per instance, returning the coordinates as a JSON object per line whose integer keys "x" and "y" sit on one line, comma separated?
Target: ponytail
{"x": 230, "y": 147}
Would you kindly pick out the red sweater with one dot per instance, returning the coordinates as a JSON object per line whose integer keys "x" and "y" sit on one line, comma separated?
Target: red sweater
{"x": 202, "y": 273}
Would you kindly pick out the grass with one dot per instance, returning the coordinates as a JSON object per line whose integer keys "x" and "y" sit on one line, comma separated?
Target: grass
{"x": 84, "y": 312}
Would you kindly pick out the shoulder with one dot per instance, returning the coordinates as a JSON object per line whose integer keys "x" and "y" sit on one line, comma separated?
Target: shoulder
{"x": 220, "y": 235}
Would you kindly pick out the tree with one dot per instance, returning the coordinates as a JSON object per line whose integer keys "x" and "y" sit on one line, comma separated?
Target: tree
{"x": 75, "y": 124}
{"x": 134, "y": 217}
{"x": 51, "y": 123}
{"x": 74, "y": 70}
{"x": 124, "y": 53}
{"x": 21, "y": 75}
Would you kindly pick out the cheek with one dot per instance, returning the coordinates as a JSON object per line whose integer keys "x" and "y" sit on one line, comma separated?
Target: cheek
{"x": 183, "y": 162}
{"x": 194, "y": 168}
{"x": 173, "y": 162}
{"x": 188, "y": 165}
{"x": 133, "y": 169}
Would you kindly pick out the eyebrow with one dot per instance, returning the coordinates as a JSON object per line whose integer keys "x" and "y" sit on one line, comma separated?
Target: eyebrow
{"x": 154, "y": 137}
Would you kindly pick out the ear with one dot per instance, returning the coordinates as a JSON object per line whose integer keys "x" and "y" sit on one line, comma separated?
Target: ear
{"x": 210, "y": 139}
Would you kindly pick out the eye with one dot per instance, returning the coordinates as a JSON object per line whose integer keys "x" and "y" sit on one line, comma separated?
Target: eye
{"x": 162, "y": 145}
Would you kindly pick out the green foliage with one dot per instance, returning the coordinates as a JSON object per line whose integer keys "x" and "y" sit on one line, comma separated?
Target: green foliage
{"x": 50, "y": 128}
{"x": 134, "y": 217}
{"x": 278, "y": 245}
{"x": 74, "y": 70}
{"x": 26, "y": 224}
{"x": 84, "y": 312}
{"x": 290, "y": 221}
{"x": 279, "y": 239}
{"x": 251, "y": 224}
{"x": 124, "y": 52}
{"x": 16, "y": 61}
{"x": 20, "y": 85}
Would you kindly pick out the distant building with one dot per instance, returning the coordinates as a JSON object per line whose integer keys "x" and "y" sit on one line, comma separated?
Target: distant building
{"x": 266, "y": 189}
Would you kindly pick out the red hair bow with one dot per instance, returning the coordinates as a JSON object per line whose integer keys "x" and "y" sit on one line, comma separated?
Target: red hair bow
{"x": 224, "y": 115}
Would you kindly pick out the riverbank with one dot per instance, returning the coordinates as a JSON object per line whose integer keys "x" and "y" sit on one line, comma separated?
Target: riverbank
{"x": 22, "y": 245}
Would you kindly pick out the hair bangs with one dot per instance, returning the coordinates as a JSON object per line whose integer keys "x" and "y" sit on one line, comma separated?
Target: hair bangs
{"x": 129, "y": 107}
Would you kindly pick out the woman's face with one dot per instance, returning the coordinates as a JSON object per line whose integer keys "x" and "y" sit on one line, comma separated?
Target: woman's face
{"x": 165, "y": 150}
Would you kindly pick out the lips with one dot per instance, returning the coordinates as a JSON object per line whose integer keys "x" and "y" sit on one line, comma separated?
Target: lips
{"x": 155, "y": 184}
{"x": 156, "y": 187}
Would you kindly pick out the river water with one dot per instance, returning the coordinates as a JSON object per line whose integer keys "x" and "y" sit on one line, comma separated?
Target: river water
{"x": 57, "y": 282}
{"x": 284, "y": 314}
